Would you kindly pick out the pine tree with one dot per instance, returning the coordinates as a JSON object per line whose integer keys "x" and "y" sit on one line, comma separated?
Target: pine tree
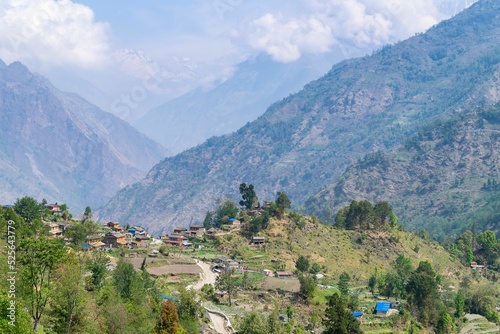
{"x": 168, "y": 322}
{"x": 338, "y": 319}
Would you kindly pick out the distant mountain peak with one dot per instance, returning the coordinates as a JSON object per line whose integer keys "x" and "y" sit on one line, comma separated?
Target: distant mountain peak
{"x": 58, "y": 146}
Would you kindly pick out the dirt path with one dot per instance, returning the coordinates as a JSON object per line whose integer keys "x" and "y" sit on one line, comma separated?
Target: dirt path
{"x": 219, "y": 323}
{"x": 206, "y": 277}
{"x": 209, "y": 277}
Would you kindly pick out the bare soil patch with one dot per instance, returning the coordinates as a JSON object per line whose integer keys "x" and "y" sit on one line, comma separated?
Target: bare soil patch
{"x": 175, "y": 269}
{"x": 287, "y": 284}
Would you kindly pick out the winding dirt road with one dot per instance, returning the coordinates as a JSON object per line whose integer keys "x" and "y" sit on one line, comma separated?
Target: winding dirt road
{"x": 209, "y": 277}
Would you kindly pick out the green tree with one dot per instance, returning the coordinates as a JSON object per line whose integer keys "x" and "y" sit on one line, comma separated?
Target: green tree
{"x": 79, "y": 231}
{"x": 423, "y": 295}
{"x": 168, "y": 321}
{"x": 39, "y": 259}
{"x": 289, "y": 313}
{"x": 87, "y": 214}
{"x": 226, "y": 281}
{"x": 209, "y": 220}
{"x": 98, "y": 266}
{"x": 273, "y": 324}
{"x": 302, "y": 264}
{"x": 488, "y": 243}
{"x": 341, "y": 217}
{"x": 250, "y": 199}
{"x": 189, "y": 310}
{"x": 343, "y": 283}
{"x": 68, "y": 300}
{"x": 445, "y": 324}
{"x": 28, "y": 208}
{"x": 23, "y": 323}
{"x": 307, "y": 287}
{"x": 338, "y": 319}
{"x": 459, "y": 305}
{"x": 315, "y": 268}
{"x": 283, "y": 203}
{"x": 253, "y": 323}
{"x": 372, "y": 283}
{"x": 126, "y": 279}
{"x": 381, "y": 212}
{"x": 393, "y": 221}
{"x": 226, "y": 210}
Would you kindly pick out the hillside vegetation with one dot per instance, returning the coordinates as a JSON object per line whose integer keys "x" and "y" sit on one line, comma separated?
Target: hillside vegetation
{"x": 358, "y": 253}
{"x": 444, "y": 179}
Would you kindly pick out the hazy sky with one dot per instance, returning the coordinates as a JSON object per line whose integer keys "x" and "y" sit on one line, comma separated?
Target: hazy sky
{"x": 116, "y": 45}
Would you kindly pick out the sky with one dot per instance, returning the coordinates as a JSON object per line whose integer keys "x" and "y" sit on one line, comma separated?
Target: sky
{"x": 145, "y": 52}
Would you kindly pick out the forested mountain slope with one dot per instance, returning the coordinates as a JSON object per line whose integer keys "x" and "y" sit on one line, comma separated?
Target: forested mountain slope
{"x": 306, "y": 141}
{"x": 444, "y": 179}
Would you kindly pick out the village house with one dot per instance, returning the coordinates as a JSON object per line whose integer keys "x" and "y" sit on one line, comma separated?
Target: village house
{"x": 114, "y": 239}
{"x": 234, "y": 223}
{"x": 267, "y": 272}
{"x": 63, "y": 226}
{"x": 212, "y": 231}
{"x": 115, "y": 226}
{"x": 258, "y": 241}
{"x": 478, "y": 267}
{"x": 175, "y": 240}
{"x": 141, "y": 241}
{"x": 180, "y": 230}
{"x": 383, "y": 308}
{"x": 284, "y": 274}
{"x": 196, "y": 230}
{"x": 54, "y": 230}
{"x": 139, "y": 230}
{"x": 95, "y": 242}
{"x": 54, "y": 208}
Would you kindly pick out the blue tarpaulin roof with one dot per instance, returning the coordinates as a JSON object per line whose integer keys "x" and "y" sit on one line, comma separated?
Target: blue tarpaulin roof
{"x": 168, "y": 297}
{"x": 357, "y": 314}
{"x": 383, "y": 306}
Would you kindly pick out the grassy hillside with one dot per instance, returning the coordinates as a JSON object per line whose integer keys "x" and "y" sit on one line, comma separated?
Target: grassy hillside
{"x": 335, "y": 250}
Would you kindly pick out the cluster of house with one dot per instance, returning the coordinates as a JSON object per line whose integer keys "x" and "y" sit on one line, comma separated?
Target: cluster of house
{"x": 118, "y": 237}
{"x": 114, "y": 236}
{"x": 180, "y": 235}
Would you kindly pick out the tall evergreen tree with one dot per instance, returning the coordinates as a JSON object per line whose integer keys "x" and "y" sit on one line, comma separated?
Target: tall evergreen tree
{"x": 338, "y": 319}
{"x": 168, "y": 321}
{"x": 250, "y": 199}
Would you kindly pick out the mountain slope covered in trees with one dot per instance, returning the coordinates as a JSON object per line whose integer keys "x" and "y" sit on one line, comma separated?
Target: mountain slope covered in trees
{"x": 306, "y": 141}
{"x": 58, "y": 146}
{"x": 444, "y": 179}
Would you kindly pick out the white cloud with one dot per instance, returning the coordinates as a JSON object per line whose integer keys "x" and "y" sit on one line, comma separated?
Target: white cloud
{"x": 361, "y": 25}
{"x": 284, "y": 40}
{"x": 50, "y": 32}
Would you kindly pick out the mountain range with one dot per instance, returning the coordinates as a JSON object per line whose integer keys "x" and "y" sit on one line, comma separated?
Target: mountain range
{"x": 194, "y": 117}
{"x": 58, "y": 146}
{"x": 306, "y": 141}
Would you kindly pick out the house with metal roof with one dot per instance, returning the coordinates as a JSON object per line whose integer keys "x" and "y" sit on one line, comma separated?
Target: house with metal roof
{"x": 382, "y": 308}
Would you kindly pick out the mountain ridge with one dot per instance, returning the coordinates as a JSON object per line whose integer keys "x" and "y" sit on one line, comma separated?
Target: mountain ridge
{"x": 59, "y": 146}
{"x": 306, "y": 140}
